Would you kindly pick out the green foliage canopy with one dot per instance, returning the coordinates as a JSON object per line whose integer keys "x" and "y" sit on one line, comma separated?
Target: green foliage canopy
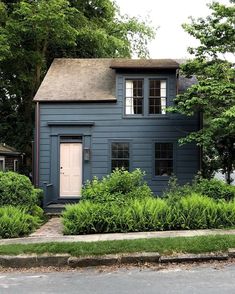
{"x": 33, "y": 33}
{"x": 214, "y": 94}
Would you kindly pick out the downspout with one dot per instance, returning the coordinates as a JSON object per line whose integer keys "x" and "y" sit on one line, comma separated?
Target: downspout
{"x": 37, "y": 125}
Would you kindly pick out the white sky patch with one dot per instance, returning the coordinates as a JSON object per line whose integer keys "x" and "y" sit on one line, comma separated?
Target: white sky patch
{"x": 171, "y": 40}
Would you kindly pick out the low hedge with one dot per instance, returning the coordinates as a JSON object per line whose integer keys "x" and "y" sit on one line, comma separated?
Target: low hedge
{"x": 16, "y": 222}
{"x": 190, "y": 212}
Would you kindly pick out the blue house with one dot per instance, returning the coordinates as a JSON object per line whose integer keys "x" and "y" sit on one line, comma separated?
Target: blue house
{"x": 93, "y": 115}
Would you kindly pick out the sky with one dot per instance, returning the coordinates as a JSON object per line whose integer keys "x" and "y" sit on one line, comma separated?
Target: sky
{"x": 171, "y": 41}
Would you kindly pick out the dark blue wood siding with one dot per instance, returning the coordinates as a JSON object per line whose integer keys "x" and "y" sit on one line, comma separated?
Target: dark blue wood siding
{"x": 110, "y": 124}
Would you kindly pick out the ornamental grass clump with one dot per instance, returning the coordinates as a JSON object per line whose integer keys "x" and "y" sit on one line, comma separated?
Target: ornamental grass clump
{"x": 122, "y": 202}
{"x": 190, "y": 212}
{"x": 16, "y": 222}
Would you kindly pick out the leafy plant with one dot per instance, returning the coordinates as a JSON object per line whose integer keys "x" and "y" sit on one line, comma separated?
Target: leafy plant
{"x": 16, "y": 222}
{"x": 17, "y": 190}
{"x": 212, "y": 188}
{"x": 119, "y": 186}
{"x": 214, "y": 93}
{"x": 190, "y": 212}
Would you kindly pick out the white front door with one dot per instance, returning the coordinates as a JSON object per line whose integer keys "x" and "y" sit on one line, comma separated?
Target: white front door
{"x": 70, "y": 169}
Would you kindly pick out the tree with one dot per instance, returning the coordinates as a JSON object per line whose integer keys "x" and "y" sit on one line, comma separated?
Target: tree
{"x": 214, "y": 93}
{"x": 34, "y": 32}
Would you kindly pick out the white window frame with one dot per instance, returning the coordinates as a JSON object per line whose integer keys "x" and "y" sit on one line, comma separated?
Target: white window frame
{"x": 162, "y": 97}
{"x": 128, "y": 107}
{"x": 2, "y": 158}
{"x": 129, "y": 97}
{"x": 16, "y": 161}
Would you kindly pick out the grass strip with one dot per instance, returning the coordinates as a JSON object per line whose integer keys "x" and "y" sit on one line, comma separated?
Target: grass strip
{"x": 165, "y": 246}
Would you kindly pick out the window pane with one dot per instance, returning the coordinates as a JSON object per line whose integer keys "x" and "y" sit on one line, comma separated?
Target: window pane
{"x": 134, "y": 97}
{"x": 163, "y": 159}
{"x": 163, "y": 167}
{"x": 120, "y": 155}
{"x": 157, "y": 97}
{"x": 120, "y": 164}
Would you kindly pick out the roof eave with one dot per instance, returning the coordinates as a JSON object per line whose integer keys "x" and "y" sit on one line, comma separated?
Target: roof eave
{"x": 75, "y": 101}
{"x": 144, "y": 67}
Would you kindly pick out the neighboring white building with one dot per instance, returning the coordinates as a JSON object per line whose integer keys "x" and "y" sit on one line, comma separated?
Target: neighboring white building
{"x": 220, "y": 176}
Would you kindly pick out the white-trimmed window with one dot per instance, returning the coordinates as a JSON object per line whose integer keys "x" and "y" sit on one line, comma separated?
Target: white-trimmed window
{"x": 134, "y": 94}
{"x": 163, "y": 159}
{"x": 120, "y": 155}
{"x": 2, "y": 163}
{"x": 157, "y": 96}
{"x": 145, "y": 96}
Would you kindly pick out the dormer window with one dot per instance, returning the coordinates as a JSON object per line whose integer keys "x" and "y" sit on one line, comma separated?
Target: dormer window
{"x": 157, "y": 96}
{"x": 145, "y": 96}
{"x": 134, "y": 97}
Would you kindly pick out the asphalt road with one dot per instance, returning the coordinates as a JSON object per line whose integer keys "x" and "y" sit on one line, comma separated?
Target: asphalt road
{"x": 196, "y": 279}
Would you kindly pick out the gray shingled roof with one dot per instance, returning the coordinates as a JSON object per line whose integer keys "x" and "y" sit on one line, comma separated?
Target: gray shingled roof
{"x": 5, "y": 149}
{"x": 144, "y": 64}
{"x": 78, "y": 80}
{"x": 90, "y": 79}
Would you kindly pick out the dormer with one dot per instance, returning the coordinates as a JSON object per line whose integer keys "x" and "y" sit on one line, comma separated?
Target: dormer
{"x": 149, "y": 85}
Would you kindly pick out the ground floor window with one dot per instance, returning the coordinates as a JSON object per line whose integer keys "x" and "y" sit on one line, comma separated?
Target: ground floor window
{"x": 163, "y": 159}
{"x": 120, "y": 155}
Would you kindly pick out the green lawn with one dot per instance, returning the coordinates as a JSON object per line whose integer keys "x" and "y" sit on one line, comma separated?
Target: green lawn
{"x": 162, "y": 245}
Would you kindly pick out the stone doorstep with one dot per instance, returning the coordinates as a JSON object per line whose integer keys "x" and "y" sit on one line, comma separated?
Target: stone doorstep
{"x": 61, "y": 260}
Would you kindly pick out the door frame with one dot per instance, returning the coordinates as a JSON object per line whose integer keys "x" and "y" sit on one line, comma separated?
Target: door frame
{"x": 69, "y": 139}
{"x": 58, "y": 133}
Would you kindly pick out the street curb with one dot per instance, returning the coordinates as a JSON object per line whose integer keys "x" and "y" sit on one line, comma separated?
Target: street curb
{"x": 194, "y": 258}
{"x": 62, "y": 260}
{"x": 29, "y": 261}
{"x": 114, "y": 259}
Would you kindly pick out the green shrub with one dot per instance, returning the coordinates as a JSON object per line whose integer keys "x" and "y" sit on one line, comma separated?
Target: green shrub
{"x": 15, "y": 222}
{"x": 16, "y": 189}
{"x": 150, "y": 214}
{"x": 212, "y": 188}
{"x": 119, "y": 186}
{"x": 38, "y": 196}
{"x": 174, "y": 191}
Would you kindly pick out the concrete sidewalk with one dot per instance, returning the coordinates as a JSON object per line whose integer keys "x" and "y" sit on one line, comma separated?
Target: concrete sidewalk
{"x": 52, "y": 232}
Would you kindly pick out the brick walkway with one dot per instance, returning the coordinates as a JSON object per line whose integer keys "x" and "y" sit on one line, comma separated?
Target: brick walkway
{"x": 53, "y": 228}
